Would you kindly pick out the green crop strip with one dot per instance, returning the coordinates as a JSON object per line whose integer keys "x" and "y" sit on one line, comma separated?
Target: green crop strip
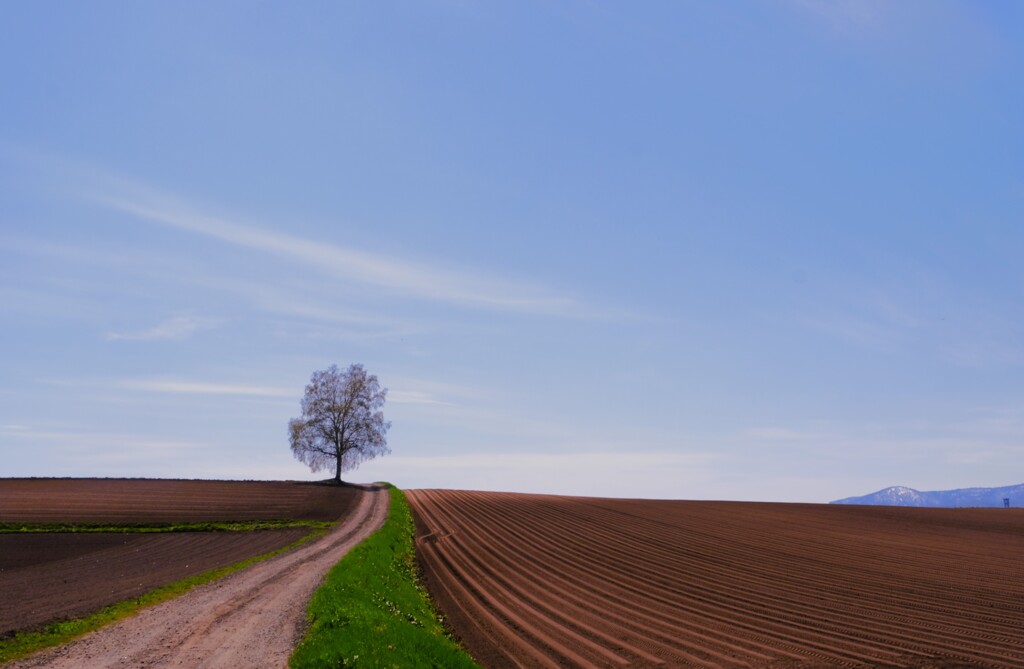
{"x": 372, "y": 611}
{"x": 215, "y": 526}
{"x": 25, "y": 643}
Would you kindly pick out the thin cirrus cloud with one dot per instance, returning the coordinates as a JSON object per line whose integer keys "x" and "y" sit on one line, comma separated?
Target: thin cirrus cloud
{"x": 187, "y": 387}
{"x": 204, "y": 388}
{"x": 172, "y": 329}
{"x": 846, "y": 15}
{"x": 414, "y": 397}
{"x": 84, "y": 448}
{"x": 392, "y": 275}
{"x": 652, "y": 474}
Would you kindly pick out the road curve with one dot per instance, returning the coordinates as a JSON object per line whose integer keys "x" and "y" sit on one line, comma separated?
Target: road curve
{"x": 252, "y": 618}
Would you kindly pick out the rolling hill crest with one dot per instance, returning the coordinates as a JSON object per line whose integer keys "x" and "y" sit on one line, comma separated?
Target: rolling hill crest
{"x": 961, "y": 497}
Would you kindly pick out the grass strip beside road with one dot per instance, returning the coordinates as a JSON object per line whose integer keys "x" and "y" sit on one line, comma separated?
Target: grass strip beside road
{"x": 145, "y": 528}
{"x": 372, "y": 611}
{"x": 25, "y": 643}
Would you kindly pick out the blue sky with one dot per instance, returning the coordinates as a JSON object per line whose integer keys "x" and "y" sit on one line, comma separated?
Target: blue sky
{"x": 754, "y": 250}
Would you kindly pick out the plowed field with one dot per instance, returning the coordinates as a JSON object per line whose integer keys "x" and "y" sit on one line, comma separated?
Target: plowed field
{"x": 54, "y": 576}
{"x": 251, "y": 619}
{"x": 111, "y": 568}
{"x": 547, "y": 581}
{"x": 168, "y": 500}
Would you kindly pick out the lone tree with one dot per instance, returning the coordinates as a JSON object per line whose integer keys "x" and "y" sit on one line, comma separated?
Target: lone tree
{"x": 341, "y": 424}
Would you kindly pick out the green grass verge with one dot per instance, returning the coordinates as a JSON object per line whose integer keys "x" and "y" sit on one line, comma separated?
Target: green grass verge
{"x": 372, "y": 610}
{"x": 229, "y": 526}
{"x": 25, "y": 643}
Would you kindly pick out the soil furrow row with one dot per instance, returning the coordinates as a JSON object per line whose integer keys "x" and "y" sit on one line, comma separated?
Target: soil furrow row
{"x": 732, "y": 584}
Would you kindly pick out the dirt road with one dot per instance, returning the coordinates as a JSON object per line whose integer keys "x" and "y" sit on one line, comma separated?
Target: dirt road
{"x": 252, "y": 618}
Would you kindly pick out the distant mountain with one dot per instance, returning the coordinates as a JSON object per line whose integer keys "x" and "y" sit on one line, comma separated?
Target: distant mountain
{"x": 903, "y": 496}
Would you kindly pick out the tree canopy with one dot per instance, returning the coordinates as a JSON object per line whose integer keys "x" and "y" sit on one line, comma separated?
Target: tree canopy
{"x": 342, "y": 424}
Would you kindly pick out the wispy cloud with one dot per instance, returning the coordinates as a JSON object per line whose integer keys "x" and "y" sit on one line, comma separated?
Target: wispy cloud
{"x": 416, "y": 391}
{"x": 559, "y": 461}
{"x": 172, "y": 386}
{"x": 845, "y": 15}
{"x": 859, "y": 330}
{"x": 413, "y": 397}
{"x": 947, "y": 39}
{"x": 777, "y": 434}
{"x": 172, "y": 329}
{"x": 101, "y": 453}
{"x": 661, "y": 474}
{"x": 204, "y": 388}
{"x": 395, "y": 276}
{"x": 303, "y": 304}
{"x": 100, "y": 444}
{"x": 957, "y": 327}
{"x": 903, "y": 451}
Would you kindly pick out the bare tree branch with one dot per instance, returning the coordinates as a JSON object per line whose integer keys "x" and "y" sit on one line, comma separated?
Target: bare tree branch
{"x": 342, "y": 424}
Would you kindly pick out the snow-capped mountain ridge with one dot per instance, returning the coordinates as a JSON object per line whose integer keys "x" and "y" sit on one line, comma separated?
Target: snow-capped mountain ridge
{"x": 904, "y": 496}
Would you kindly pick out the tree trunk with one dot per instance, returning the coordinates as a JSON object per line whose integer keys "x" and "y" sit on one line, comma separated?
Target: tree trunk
{"x": 337, "y": 470}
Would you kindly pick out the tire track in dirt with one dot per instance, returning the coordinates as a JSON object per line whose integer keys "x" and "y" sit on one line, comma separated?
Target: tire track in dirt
{"x": 252, "y": 618}
{"x": 533, "y": 580}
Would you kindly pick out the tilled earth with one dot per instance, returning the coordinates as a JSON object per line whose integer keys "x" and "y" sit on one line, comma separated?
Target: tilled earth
{"x": 53, "y": 500}
{"x": 549, "y": 581}
{"x": 48, "y": 577}
{"x": 60, "y": 576}
{"x": 252, "y": 618}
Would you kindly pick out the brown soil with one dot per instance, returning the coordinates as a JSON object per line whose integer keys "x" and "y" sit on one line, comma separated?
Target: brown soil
{"x": 61, "y": 576}
{"x": 252, "y": 618}
{"x": 55, "y": 576}
{"x": 168, "y": 500}
{"x": 547, "y": 581}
